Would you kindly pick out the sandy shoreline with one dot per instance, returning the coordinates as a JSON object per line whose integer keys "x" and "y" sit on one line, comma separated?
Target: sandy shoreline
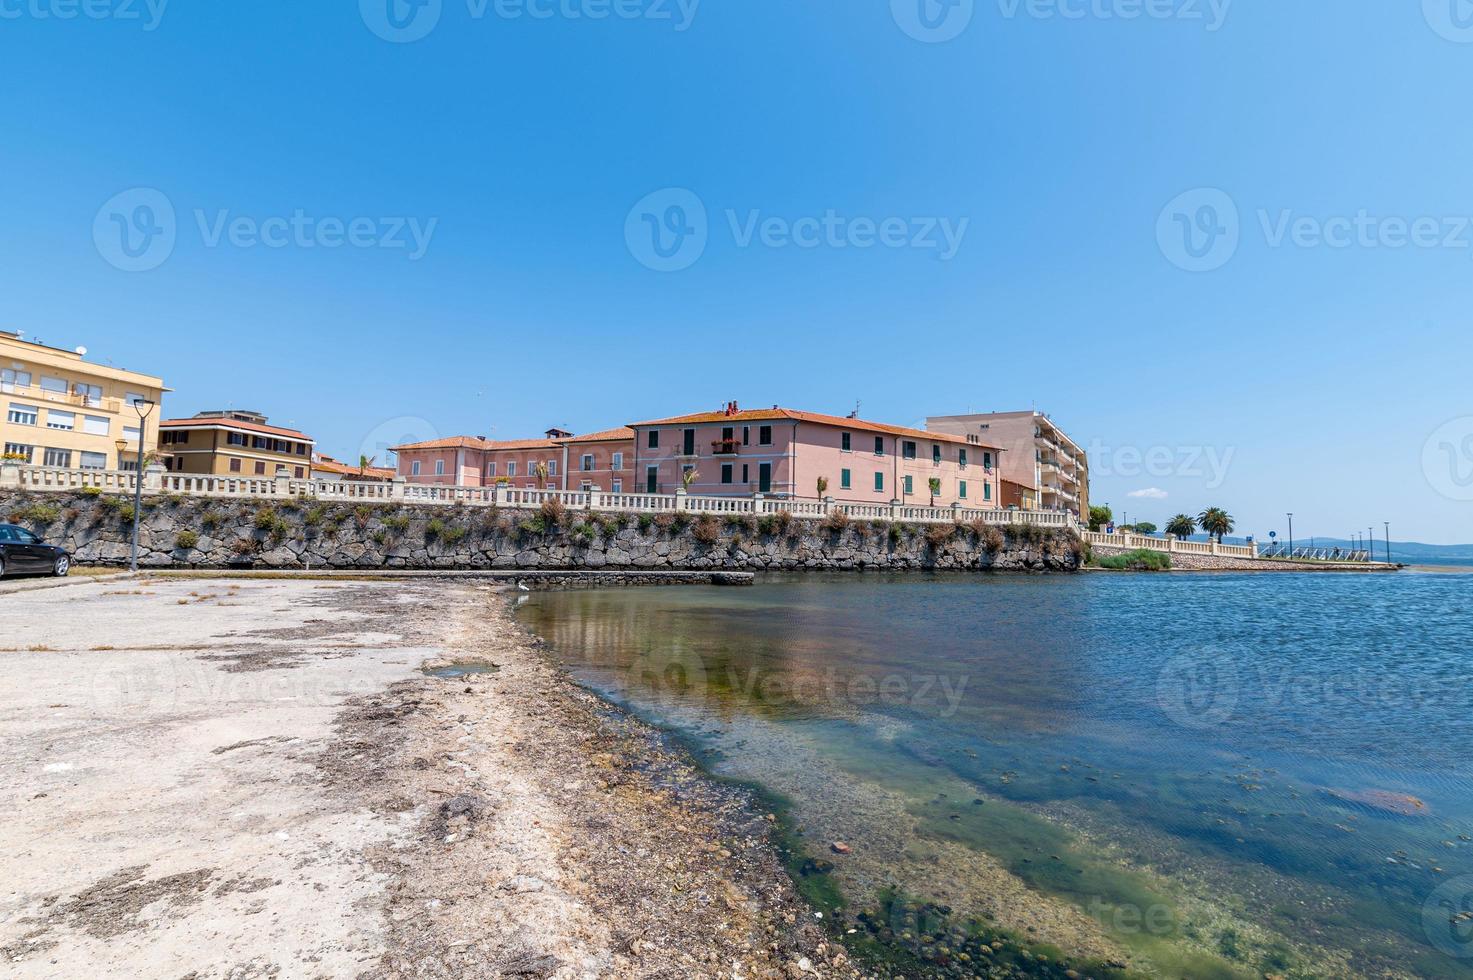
{"x": 207, "y": 778}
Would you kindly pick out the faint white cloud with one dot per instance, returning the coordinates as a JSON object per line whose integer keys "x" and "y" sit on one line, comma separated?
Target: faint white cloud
{"x": 1150, "y": 493}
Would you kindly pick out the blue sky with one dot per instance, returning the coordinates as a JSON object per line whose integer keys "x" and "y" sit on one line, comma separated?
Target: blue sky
{"x": 1292, "y": 375}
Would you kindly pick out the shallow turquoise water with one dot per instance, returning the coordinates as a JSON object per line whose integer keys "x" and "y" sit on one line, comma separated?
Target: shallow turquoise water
{"x": 1226, "y": 775}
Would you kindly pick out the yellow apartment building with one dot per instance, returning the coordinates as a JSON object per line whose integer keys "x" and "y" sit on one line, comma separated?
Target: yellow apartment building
{"x": 64, "y": 411}
{"x": 234, "y": 443}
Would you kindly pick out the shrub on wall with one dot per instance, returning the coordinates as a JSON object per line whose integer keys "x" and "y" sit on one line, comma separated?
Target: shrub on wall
{"x": 186, "y": 540}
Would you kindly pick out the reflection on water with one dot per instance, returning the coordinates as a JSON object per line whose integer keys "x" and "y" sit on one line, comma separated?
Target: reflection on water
{"x": 1200, "y": 776}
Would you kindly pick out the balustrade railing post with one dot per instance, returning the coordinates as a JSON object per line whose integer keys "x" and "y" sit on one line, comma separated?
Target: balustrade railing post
{"x": 153, "y": 478}
{"x": 9, "y": 475}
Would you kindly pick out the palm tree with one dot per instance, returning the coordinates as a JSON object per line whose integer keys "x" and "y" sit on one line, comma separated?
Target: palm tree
{"x": 541, "y": 471}
{"x": 935, "y": 485}
{"x": 687, "y": 477}
{"x": 1182, "y": 526}
{"x": 1216, "y": 522}
{"x": 365, "y": 463}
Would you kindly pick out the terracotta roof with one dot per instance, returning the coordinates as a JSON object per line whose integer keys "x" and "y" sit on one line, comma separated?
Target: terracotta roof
{"x": 622, "y": 433}
{"x": 220, "y": 423}
{"x": 330, "y": 465}
{"x": 475, "y": 442}
{"x": 792, "y": 415}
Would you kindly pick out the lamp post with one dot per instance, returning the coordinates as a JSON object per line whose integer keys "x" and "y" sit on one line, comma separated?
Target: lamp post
{"x": 1388, "y": 541}
{"x": 1291, "y": 535}
{"x": 143, "y": 406}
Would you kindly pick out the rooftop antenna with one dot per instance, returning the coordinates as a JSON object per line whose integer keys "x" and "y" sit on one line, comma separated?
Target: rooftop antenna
{"x": 857, "y": 403}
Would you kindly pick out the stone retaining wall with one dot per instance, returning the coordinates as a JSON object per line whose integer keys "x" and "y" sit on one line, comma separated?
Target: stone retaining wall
{"x": 199, "y": 532}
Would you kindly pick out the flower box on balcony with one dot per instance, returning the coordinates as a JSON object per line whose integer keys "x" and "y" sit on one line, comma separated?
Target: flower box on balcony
{"x": 725, "y": 447}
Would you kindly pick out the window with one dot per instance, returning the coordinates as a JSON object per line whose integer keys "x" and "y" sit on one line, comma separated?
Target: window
{"x": 511, "y": 467}
{"x": 58, "y": 457}
{"x": 24, "y": 414}
{"x": 910, "y": 485}
{"x": 728, "y": 473}
{"x": 490, "y": 469}
{"x": 235, "y": 466}
{"x": 728, "y": 434}
{"x": 232, "y": 438}
{"x": 961, "y": 457}
{"x": 587, "y": 462}
{"x": 935, "y": 454}
{"x": 654, "y": 441}
{"x": 987, "y": 461}
{"x": 133, "y": 398}
{"x": 652, "y": 479}
{"x": 746, "y": 474}
{"x": 618, "y": 463}
{"x": 97, "y": 425}
{"x": 879, "y": 445}
{"x": 131, "y": 433}
{"x": 260, "y": 442}
{"x": 845, "y": 480}
{"x": 439, "y": 467}
{"x": 618, "y": 486}
{"x": 94, "y": 461}
{"x": 552, "y": 467}
{"x": 961, "y": 489}
{"x": 764, "y": 435}
{"x": 413, "y": 467}
{"x": 746, "y": 435}
{"x": 20, "y": 449}
{"x": 11, "y": 379}
{"x": 66, "y": 421}
{"x": 299, "y": 473}
{"x": 908, "y": 450}
{"x": 986, "y": 491}
{"x": 846, "y": 443}
{"x": 879, "y": 481}
{"x": 586, "y": 486}
{"x": 688, "y": 443}
{"x": 56, "y": 385}
{"x": 91, "y": 395}
{"x": 260, "y": 469}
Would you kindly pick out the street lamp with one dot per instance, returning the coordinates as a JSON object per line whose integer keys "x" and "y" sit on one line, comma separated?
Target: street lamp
{"x": 1388, "y": 541}
{"x": 1291, "y": 535}
{"x": 143, "y": 406}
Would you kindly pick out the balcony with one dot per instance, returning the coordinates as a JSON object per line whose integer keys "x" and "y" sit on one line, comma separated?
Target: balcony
{"x": 726, "y": 447}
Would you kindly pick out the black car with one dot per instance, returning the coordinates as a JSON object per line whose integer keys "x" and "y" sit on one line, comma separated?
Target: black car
{"x": 21, "y": 552}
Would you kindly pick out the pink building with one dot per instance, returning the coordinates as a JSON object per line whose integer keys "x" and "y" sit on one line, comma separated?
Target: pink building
{"x": 571, "y": 462}
{"x": 781, "y": 452}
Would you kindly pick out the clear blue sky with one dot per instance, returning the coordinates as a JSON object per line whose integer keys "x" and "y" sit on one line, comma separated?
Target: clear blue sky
{"x": 1318, "y": 373}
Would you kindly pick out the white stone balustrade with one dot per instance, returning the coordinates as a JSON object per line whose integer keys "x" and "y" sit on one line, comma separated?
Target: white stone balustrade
{"x": 157, "y": 481}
